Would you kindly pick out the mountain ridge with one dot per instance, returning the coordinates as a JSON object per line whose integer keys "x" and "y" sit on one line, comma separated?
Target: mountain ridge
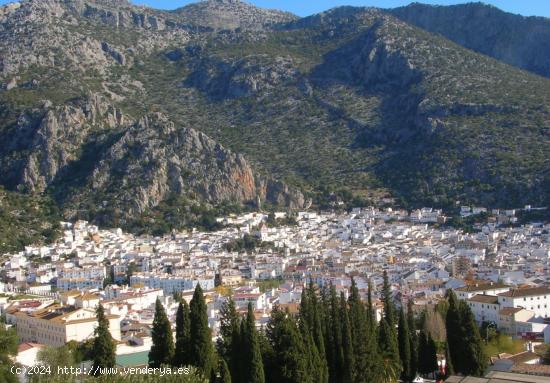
{"x": 125, "y": 115}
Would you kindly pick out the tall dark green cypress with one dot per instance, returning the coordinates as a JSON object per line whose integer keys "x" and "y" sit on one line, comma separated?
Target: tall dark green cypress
{"x": 202, "y": 350}
{"x": 228, "y": 343}
{"x": 413, "y": 340}
{"x": 103, "y": 347}
{"x": 183, "y": 335}
{"x": 367, "y": 359}
{"x": 336, "y": 369}
{"x": 162, "y": 350}
{"x": 455, "y": 341}
{"x": 224, "y": 376}
{"x": 253, "y": 357}
{"x": 404, "y": 339}
{"x": 389, "y": 308}
{"x": 312, "y": 334}
{"x": 348, "y": 368}
{"x": 327, "y": 332}
{"x": 237, "y": 366}
{"x": 475, "y": 358}
{"x": 449, "y": 369}
{"x": 387, "y": 334}
{"x": 371, "y": 315}
{"x": 289, "y": 362}
{"x": 427, "y": 363}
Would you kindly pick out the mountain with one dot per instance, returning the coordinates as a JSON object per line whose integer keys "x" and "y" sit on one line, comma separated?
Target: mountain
{"x": 142, "y": 118}
{"x": 520, "y": 41}
{"x": 230, "y": 14}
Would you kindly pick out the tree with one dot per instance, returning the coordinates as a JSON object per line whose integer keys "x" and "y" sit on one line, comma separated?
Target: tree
{"x": 55, "y": 357}
{"x": 467, "y": 354}
{"x": 404, "y": 340}
{"x": 162, "y": 350}
{"x": 334, "y": 343}
{"x": 367, "y": 359}
{"x": 224, "y": 376}
{"x": 347, "y": 346}
{"x": 183, "y": 335}
{"x": 251, "y": 350}
{"x": 413, "y": 340}
{"x": 289, "y": 363}
{"x": 449, "y": 369}
{"x": 387, "y": 334}
{"x": 475, "y": 357}
{"x": 103, "y": 347}
{"x": 229, "y": 333}
{"x": 312, "y": 333}
{"x": 427, "y": 363}
{"x": 202, "y": 351}
{"x": 8, "y": 348}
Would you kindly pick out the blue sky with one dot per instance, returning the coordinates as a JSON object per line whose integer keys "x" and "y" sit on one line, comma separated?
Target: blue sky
{"x": 308, "y": 7}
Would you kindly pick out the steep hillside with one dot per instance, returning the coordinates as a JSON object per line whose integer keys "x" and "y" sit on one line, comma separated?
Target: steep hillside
{"x": 26, "y": 220}
{"x": 230, "y": 14}
{"x": 144, "y": 118}
{"x": 520, "y": 41}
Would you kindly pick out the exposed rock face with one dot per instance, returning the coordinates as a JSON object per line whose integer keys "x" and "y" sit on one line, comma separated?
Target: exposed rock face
{"x": 154, "y": 158}
{"x": 242, "y": 78}
{"x": 52, "y": 138}
{"x": 520, "y": 41}
{"x": 137, "y": 166}
{"x": 231, "y": 14}
{"x": 33, "y": 33}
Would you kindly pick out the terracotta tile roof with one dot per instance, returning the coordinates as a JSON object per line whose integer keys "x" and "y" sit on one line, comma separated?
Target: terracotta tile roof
{"x": 27, "y": 346}
{"x": 482, "y": 287}
{"x": 482, "y": 298}
{"x": 532, "y": 291}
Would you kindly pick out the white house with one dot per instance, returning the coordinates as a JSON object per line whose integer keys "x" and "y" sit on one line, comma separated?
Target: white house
{"x": 485, "y": 308}
{"x": 535, "y": 299}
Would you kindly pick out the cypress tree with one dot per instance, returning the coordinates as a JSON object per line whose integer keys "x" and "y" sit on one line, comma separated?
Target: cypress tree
{"x": 103, "y": 347}
{"x": 162, "y": 350}
{"x": 253, "y": 357}
{"x": 428, "y": 350}
{"x": 183, "y": 337}
{"x": 268, "y": 358}
{"x": 449, "y": 369}
{"x": 328, "y": 336}
{"x": 404, "y": 339}
{"x": 389, "y": 309}
{"x": 475, "y": 357}
{"x": 348, "y": 368}
{"x": 202, "y": 350}
{"x": 313, "y": 334}
{"x": 423, "y": 363}
{"x": 290, "y": 365}
{"x": 413, "y": 341}
{"x": 432, "y": 353}
{"x": 367, "y": 359}
{"x": 237, "y": 366}
{"x": 228, "y": 342}
{"x": 371, "y": 315}
{"x": 455, "y": 342}
{"x": 224, "y": 374}
{"x": 387, "y": 334}
{"x": 336, "y": 367}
